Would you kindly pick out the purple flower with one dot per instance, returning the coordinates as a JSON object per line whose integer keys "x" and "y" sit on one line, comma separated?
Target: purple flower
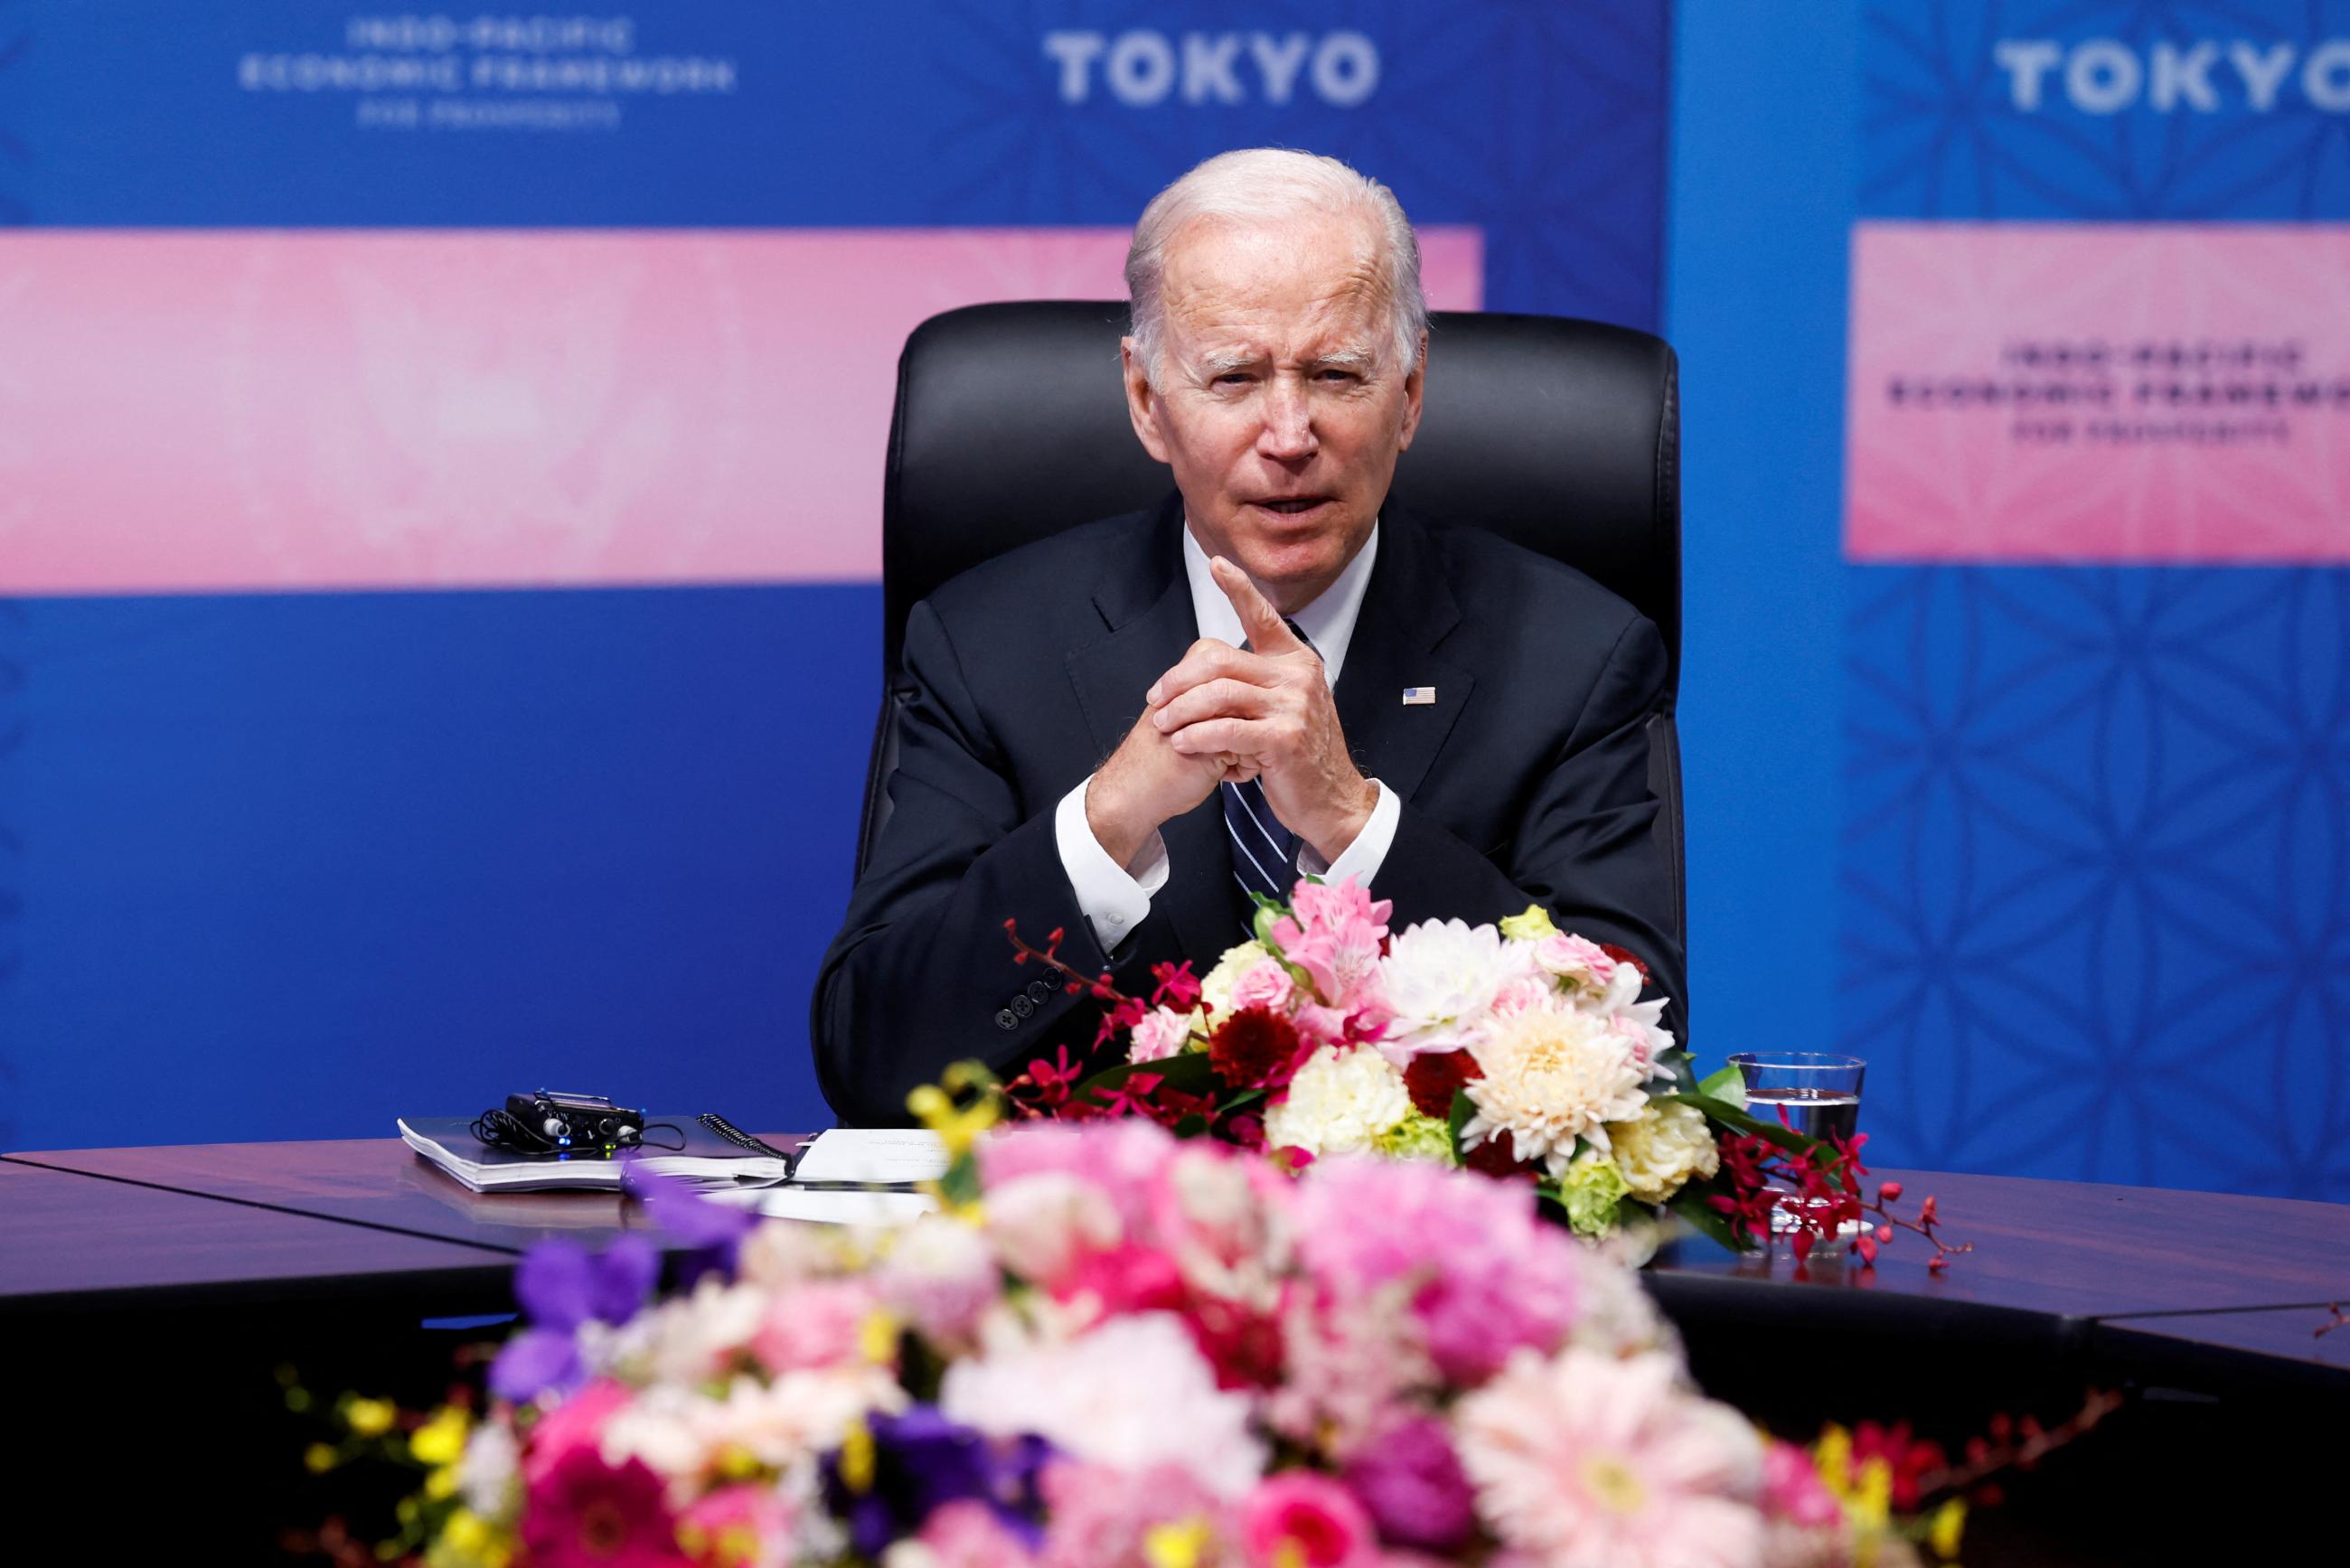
{"x": 711, "y": 1232}
{"x": 561, "y": 1284}
{"x": 1412, "y": 1483}
{"x": 922, "y": 1461}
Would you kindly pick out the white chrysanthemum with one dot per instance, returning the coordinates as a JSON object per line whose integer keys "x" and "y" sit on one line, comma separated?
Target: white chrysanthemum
{"x": 1659, "y": 1150}
{"x": 1342, "y": 1098}
{"x": 1439, "y": 977}
{"x": 1551, "y": 1075}
{"x": 1216, "y": 990}
{"x": 1133, "y": 1394}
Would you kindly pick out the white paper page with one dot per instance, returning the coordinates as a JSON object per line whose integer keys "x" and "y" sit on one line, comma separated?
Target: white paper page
{"x": 831, "y": 1206}
{"x": 884, "y": 1154}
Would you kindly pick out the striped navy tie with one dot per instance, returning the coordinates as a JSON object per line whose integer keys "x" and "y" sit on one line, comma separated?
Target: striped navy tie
{"x": 1264, "y": 852}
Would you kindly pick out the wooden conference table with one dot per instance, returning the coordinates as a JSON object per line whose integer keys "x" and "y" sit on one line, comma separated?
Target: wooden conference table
{"x": 131, "y": 1273}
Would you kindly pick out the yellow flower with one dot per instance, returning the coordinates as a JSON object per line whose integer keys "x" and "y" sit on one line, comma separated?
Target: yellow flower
{"x": 877, "y": 1337}
{"x": 1175, "y": 1545}
{"x": 318, "y": 1458}
{"x": 1532, "y": 926}
{"x": 1871, "y": 1502}
{"x": 956, "y": 1128}
{"x": 1950, "y": 1522}
{"x": 468, "y": 1540}
{"x": 440, "y": 1439}
{"x": 857, "y": 1459}
{"x": 441, "y": 1484}
{"x": 1833, "y": 1455}
{"x": 370, "y": 1418}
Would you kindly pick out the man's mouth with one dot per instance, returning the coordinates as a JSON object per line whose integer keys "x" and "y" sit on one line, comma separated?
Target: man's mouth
{"x": 1291, "y": 505}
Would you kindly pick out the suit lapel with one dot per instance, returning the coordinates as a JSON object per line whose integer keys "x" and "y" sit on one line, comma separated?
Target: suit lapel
{"x": 1145, "y": 607}
{"x": 1407, "y": 610}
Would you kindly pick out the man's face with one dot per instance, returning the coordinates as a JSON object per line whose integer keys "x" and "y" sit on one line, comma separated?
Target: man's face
{"x": 1277, "y": 399}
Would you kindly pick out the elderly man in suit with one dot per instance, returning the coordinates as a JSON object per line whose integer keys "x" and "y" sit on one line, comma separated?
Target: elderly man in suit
{"x": 1123, "y": 730}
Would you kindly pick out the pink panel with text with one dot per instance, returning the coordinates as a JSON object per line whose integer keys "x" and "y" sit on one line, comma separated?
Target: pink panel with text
{"x": 263, "y": 409}
{"x": 2099, "y": 393}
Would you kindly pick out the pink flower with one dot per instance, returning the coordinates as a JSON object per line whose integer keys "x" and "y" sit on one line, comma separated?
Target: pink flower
{"x": 1411, "y": 1481}
{"x": 1335, "y": 935}
{"x": 574, "y": 1426}
{"x": 941, "y": 1276}
{"x": 1520, "y": 993}
{"x": 1793, "y": 1489}
{"x": 740, "y": 1526}
{"x": 1582, "y": 967}
{"x": 582, "y": 1511}
{"x": 1300, "y": 1519}
{"x": 1583, "y": 1458}
{"x": 1501, "y": 1281}
{"x": 1267, "y": 985}
{"x": 966, "y": 1533}
{"x": 1122, "y": 1279}
{"x": 1160, "y": 1033}
{"x": 817, "y": 1323}
{"x": 1100, "y": 1515}
{"x": 1118, "y": 1160}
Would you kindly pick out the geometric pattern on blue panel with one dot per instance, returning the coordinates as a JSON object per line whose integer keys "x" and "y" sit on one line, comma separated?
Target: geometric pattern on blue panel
{"x": 1541, "y": 124}
{"x": 2095, "y": 864}
{"x": 2095, "y": 872}
{"x": 15, "y": 41}
{"x": 1955, "y": 128}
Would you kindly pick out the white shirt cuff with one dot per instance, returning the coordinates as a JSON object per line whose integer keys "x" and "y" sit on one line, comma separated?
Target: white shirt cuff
{"x": 1362, "y": 859}
{"x": 1113, "y": 899}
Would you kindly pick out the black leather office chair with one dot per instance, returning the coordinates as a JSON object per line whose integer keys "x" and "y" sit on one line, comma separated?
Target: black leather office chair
{"x": 1563, "y": 436}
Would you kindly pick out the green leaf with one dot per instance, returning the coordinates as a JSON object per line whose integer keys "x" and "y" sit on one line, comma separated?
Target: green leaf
{"x": 1690, "y": 1204}
{"x": 1463, "y": 1108}
{"x": 1678, "y": 1067}
{"x": 1189, "y": 1071}
{"x": 1728, "y": 1086}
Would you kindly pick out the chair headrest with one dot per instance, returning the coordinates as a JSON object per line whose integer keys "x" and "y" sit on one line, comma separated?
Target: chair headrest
{"x": 1010, "y": 425}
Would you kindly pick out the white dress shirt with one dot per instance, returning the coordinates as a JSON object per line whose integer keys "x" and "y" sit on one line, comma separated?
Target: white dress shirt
{"x": 1115, "y": 898}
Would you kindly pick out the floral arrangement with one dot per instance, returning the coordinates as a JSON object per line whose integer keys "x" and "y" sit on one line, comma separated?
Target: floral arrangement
{"x": 1515, "y": 1049}
{"x": 1114, "y": 1347}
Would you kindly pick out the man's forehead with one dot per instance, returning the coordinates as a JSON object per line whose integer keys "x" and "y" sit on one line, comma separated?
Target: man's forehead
{"x": 1316, "y": 286}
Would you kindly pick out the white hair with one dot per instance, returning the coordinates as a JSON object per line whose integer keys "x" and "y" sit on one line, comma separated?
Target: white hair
{"x": 1263, "y": 185}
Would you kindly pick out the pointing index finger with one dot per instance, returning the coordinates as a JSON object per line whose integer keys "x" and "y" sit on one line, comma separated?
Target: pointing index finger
{"x": 1268, "y": 634}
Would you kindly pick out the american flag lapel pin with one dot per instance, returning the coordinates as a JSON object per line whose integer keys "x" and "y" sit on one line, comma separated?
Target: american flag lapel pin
{"x": 1418, "y": 696}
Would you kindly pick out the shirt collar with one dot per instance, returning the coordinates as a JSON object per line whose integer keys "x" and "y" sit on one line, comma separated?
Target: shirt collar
{"x": 1328, "y": 622}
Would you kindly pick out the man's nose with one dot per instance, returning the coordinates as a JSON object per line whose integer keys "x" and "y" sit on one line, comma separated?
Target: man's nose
{"x": 1287, "y": 435}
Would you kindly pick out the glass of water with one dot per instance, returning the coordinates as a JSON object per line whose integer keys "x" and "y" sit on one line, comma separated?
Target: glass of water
{"x": 1817, "y": 1094}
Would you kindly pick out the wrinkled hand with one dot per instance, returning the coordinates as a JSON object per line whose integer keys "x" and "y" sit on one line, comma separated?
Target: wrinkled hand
{"x": 1266, "y": 714}
{"x": 1146, "y": 781}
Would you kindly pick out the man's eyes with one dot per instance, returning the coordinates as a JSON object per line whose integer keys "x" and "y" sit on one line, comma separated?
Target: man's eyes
{"x": 1327, "y": 376}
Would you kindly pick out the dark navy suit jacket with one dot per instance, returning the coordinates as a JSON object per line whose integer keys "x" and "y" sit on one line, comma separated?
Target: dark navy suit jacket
{"x": 1526, "y": 781}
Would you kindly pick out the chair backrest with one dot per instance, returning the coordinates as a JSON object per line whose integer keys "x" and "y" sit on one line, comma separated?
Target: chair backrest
{"x": 1561, "y": 435}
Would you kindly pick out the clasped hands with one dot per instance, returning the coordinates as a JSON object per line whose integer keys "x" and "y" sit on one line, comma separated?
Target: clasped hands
{"x": 1261, "y": 713}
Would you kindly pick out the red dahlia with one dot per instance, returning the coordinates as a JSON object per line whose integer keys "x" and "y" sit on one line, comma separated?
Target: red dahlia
{"x": 1252, "y": 1046}
{"x": 1434, "y": 1075}
{"x": 1498, "y": 1156}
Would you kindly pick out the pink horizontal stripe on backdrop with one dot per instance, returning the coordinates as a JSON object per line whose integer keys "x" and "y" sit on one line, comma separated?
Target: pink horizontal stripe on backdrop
{"x": 2142, "y": 479}
{"x": 313, "y": 410}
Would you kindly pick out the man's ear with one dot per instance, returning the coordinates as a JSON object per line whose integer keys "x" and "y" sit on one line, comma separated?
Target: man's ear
{"x": 1412, "y": 386}
{"x": 1142, "y": 404}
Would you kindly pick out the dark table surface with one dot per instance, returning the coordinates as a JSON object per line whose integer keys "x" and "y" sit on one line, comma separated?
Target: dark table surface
{"x": 71, "y": 1242}
{"x": 2135, "y": 1270}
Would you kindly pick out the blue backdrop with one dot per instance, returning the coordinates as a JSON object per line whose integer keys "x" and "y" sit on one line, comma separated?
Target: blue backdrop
{"x": 2078, "y": 832}
{"x": 286, "y": 865}
{"x": 2061, "y": 849}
